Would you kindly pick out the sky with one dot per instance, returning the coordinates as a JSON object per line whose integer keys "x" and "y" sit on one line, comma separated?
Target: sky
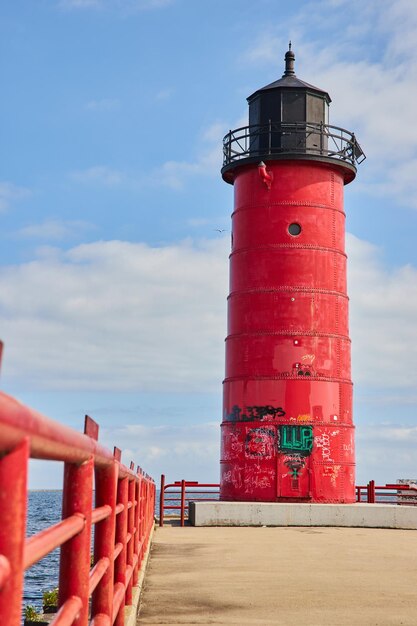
{"x": 113, "y": 277}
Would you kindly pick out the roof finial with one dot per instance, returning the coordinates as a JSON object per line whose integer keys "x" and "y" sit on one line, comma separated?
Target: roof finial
{"x": 289, "y": 62}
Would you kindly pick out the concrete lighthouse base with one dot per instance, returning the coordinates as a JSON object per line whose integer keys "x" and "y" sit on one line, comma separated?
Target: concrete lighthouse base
{"x": 293, "y": 514}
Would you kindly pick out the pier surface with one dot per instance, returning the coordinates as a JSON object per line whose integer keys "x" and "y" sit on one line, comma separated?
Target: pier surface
{"x": 281, "y": 576}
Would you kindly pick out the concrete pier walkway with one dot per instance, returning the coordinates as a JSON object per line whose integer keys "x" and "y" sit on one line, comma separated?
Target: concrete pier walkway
{"x": 281, "y": 576}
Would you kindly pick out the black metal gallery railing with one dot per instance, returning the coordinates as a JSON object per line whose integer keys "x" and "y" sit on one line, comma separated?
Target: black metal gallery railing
{"x": 301, "y": 138}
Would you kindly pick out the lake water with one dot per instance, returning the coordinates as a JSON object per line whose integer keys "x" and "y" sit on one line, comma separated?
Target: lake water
{"x": 44, "y": 509}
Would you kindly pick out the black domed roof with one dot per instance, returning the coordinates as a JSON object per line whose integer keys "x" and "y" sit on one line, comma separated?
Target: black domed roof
{"x": 290, "y": 81}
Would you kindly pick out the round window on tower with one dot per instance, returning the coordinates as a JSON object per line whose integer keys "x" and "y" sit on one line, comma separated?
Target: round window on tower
{"x": 294, "y": 229}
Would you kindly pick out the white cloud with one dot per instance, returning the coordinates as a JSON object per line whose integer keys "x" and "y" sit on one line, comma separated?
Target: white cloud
{"x": 104, "y": 104}
{"x": 175, "y": 174}
{"x": 386, "y": 452}
{"x": 99, "y": 174}
{"x": 382, "y": 318}
{"x": 10, "y": 193}
{"x": 54, "y": 229}
{"x": 118, "y": 316}
{"x": 179, "y": 451}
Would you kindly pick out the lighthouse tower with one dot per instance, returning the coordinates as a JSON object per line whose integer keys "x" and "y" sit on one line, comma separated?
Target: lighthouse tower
{"x": 287, "y": 430}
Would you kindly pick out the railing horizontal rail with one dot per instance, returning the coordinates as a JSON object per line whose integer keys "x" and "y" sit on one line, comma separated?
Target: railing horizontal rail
{"x": 45, "y": 541}
{"x": 97, "y": 573}
{"x": 263, "y": 140}
{"x": 98, "y": 515}
{"x": 391, "y": 493}
{"x": 49, "y": 440}
{"x": 123, "y": 512}
{"x": 188, "y": 492}
{"x": 100, "y": 620}
{"x": 68, "y": 612}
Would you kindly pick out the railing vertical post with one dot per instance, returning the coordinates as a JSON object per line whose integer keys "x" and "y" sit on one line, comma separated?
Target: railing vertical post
{"x": 104, "y": 536}
{"x": 141, "y": 515}
{"x": 121, "y": 536}
{"x": 74, "y": 566}
{"x": 136, "y": 548}
{"x": 145, "y": 512}
{"x": 130, "y": 531}
{"x": 13, "y": 492}
{"x": 162, "y": 500}
{"x": 152, "y": 499}
{"x": 182, "y": 501}
{"x": 371, "y": 491}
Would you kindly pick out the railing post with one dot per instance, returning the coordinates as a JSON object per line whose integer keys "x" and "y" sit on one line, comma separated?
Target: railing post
{"x": 152, "y": 498}
{"x": 145, "y": 512}
{"x": 182, "y": 501}
{"x": 371, "y": 491}
{"x": 104, "y": 537}
{"x": 74, "y": 566}
{"x": 162, "y": 500}
{"x": 13, "y": 493}
{"x": 136, "y": 548}
{"x": 131, "y": 537}
{"x": 141, "y": 515}
{"x": 121, "y": 536}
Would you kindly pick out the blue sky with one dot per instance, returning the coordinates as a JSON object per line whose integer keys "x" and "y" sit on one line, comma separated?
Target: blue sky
{"x": 113, "y": 279}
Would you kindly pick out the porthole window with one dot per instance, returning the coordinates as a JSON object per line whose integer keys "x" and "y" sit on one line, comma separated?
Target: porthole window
{"x": 294, "y": 229}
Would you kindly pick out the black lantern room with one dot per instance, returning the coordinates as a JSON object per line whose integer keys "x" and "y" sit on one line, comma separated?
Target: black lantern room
{"x": 290, "y": 118}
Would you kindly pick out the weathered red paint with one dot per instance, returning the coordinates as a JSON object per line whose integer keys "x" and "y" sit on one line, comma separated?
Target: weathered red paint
{"x": 288, "y": 346}
{"x": 120, "y": 561}
{"x": 13, "y": 485}
{"x": 75, "y": 553}
{"x": 105, "y": 494}
{"x": 25, "y": 433}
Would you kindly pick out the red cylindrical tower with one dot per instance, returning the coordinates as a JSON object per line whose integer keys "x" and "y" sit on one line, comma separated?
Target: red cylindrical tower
{"x": 287, "y": 431}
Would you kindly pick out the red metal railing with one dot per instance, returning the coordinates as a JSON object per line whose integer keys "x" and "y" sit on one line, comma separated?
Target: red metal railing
{"x": 180, "y": 493}
{"x": 395, "y": 493}
{"x": 123, "y": 515}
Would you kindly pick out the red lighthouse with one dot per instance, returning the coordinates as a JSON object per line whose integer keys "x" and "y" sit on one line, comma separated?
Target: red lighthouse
{"x": 287, "y": 431}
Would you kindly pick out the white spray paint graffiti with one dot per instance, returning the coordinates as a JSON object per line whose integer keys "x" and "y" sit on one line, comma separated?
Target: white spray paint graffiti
{"x": 234, "y": 448}
{"x": 250, "y": 478}
{"x": 323, "y": 442}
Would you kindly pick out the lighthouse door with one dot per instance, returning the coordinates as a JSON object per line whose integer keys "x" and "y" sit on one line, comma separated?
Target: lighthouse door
{"x": 293, "y": 462}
